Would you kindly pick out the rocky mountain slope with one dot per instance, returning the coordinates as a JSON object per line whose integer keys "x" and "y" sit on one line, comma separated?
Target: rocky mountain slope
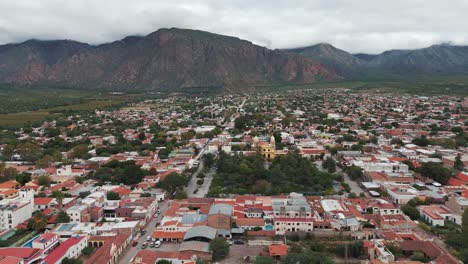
{"x": 437, "y": 59}
{"x": 168, "y": 59}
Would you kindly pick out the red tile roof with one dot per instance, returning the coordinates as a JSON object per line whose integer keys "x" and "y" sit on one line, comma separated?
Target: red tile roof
{"x": 250, "y": 222}
{"x": 278, "y": 250}
{"x": 11, "y": 260}
{"x": 24, "y": 253}
{"x": 168, "y": 235}
{"x": 61, "y": 250}
{"x": 43, "y": 201}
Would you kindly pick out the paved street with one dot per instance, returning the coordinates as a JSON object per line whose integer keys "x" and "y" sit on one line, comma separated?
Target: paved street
{"x": 204, "y": 188}
{"x": 132, "y": 251}
{"x": 352, "y": 184}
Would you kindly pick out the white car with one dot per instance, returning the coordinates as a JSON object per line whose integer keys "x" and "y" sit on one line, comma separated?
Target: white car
{"x": 148, "y": 238}
{"x": 157, "y": 243}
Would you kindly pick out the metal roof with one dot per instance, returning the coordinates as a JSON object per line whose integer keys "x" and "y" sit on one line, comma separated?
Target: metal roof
{"x": 194, "y": 218}
{"x": 225, "y": 209}
{"x": 200, "y": 231}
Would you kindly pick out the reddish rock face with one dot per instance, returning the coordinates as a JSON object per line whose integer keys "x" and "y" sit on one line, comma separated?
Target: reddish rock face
{"x": 165, "y": 59}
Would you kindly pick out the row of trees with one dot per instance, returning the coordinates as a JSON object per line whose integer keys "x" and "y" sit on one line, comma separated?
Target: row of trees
{"x": 248, "y": 174}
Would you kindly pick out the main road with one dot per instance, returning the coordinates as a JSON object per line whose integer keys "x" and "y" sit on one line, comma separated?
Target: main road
{"x": 131, "y": 251}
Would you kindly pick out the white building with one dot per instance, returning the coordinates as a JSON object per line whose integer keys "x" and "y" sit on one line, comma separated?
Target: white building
{"x": 292, "y": 214}
{"x": 436, "y": 215}
{"x": 15, "y": 211}
{"x": 401, "y": 194}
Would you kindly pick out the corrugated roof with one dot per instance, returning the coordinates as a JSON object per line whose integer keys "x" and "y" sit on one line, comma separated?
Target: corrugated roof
{"x": 225, "y": 209}
{"x": 200, "y": 231}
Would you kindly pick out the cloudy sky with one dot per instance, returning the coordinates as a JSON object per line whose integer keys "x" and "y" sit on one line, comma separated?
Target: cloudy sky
{"x": 354, "y": 25}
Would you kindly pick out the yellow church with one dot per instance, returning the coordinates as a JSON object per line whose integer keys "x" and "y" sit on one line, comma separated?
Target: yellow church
{"x": 267, "y": 150}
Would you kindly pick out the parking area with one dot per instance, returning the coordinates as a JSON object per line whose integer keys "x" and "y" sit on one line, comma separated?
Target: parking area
{"x": 238, "y": 252}
{"x": 166, "y": 246}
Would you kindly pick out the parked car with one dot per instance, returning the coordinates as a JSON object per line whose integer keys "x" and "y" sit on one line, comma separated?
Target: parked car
{"x": 134, "y": 243}
{"x": 157, "y": 243}
{"x": 158, "y": 212}
{"x": 239, "y": 242}
{"x": 144, "y": 245}
{"x": 157, "y": 224}
{"x": 143, "y": 232}
{"x": 151, "y": 245}
{"x": 148, "y": 238}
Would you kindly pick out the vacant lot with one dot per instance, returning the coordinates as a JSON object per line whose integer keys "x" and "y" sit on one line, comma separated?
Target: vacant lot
{"x": 22, "y": 118}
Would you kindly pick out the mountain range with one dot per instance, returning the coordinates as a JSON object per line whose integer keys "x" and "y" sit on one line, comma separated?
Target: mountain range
{"x": 177, "y": 59}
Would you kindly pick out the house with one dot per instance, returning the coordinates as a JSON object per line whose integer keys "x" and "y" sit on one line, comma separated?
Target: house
{"x": 108, "y": 247}
{"x": 219, "y": 216}
{"x": 292, "y": 214}
{"x": 278, "y": 251}
{"x": 79, "y": 213}
{"x": 46, "y": 242}
{"x": 401, "y": 194}
{"x": 250, "y": 223}
{"x": 436, "y": 215}
{"x": 15, "y": 211}
{"x": 457, "y": 204}
{"x": 25, "y": 254}
{"x": 71, "y": 248}
{"x": 41, "y": 203}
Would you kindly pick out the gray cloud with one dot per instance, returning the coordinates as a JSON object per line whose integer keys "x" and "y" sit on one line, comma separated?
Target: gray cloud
{"x": 356, "y": 26}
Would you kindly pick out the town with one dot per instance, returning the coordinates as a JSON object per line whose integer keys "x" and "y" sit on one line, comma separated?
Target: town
{"x": 299, "y": 176}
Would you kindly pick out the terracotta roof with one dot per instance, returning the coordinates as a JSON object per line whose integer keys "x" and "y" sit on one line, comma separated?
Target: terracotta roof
{"x": 43, "y": 201}
{"x": 45, "y": 238}
{"x": 278, "y": 250}
{"x": 24, "y": 253}
{"x": 61, "y": 250}
{"x": 7, "y": 193}
{"x": 11, "y": 260}
{"x": 168, "y": 235}
{"x": 250, "y": 222}
{"x": 102, "y": 254}
{"x": 9, "y": 185}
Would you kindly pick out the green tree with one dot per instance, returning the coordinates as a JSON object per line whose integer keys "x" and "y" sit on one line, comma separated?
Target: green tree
{"x": 208, "y": 160}
{"x": 181, "y": 195}
{"x": 71, "y": 261}
{"x": 436, "y": 171}
{"x": 307, "y": 258}
{"x": 396, "y": 141}
{"x": 87, "y": 251}
{"x": 264, "y": 260}
{"x": 421, "y": 141}
{"x": 410, "y": 211}
{"x": 38, "y": 221}
{"x": 23, "y": 178}
{"x": 329, "y": 164}
{"x": 163, "y": 261}
{"x": 84, "y": 194}
{"x": 44, "y": 162}
{"x": 113, "y": 195}
{"x": 63, "y": 217}
{"x": 458, "y": 164}
{"x": 44, "y": 181}
{"x": 10, "y": 173}
{"x": 29, "y": 151}
{"x": 172, "y": 182}
{"x": 59, "y": 196}
{"x": 79, "y": 151}
{"x": 219, "y": 248}
{"x": 355, "y": 173}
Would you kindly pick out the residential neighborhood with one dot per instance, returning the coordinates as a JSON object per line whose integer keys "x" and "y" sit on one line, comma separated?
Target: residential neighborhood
{"x": 321, "y": 176}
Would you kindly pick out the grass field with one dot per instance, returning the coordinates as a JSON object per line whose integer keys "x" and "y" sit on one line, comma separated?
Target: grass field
{"x": 21, "y": 118}
{"x": 453, "y": 85}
